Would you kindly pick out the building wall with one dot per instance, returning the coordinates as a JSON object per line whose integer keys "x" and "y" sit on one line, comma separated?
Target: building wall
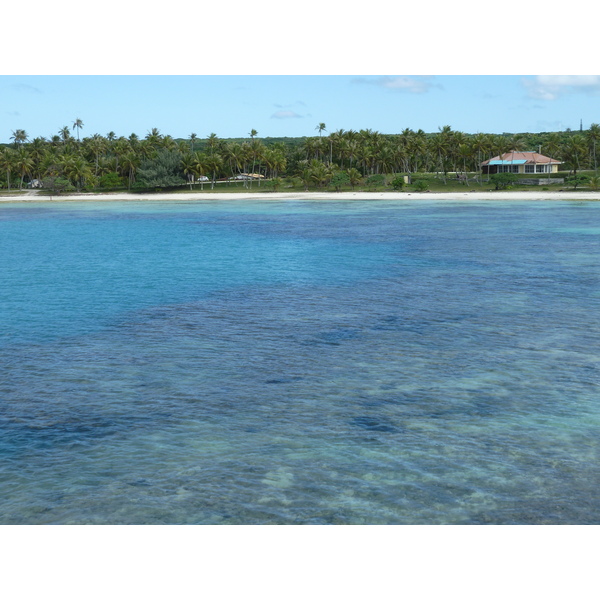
{"x": 519, "y": 169}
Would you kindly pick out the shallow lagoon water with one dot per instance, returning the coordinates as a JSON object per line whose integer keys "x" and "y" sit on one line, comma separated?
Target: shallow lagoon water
{"x": 300, "y": 362}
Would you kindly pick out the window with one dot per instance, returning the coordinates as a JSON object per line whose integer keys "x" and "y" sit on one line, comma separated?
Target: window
{"x": 529, "y": 168}
{"x": 540, "y": 168}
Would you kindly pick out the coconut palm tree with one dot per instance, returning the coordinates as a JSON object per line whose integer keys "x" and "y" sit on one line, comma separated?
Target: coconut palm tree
{"x": 78, "y": 124}
{"x": 187, "y": 163}
{"x": 7, "y": 163}
{"x": 575, "y": 152}
{"x": 212, "y": 142}
{"x": 130, "y": 162}
{"x": 37, "y": 148}
{"x": 23, "y": 164}
{"x": 593, "y": 135}
{"x": 193, "y": 138}
{"x": 214, "y": 162}
{"x": 354, "y": 176}
{"x": 319, "y": 173}
{"x": 305, "y": 177}
{"x": 65, "y": 134}
{"x": 201, "y": 166}
{"x": 19, "y": 136}
{"x": 77, "y": 170}
{"x": 96, "y": 144}
{"x": 320, "y": 128}
{"x": 154, "y": 137}
{"x": 439, "y": 146}
{"x": 257, "y": 149}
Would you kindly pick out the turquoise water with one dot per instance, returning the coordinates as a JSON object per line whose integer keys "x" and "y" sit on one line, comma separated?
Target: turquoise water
{"x": 300, "y": 362}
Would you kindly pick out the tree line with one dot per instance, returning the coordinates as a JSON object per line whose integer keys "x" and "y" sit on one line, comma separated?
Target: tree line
{"x": 343, "y": 157}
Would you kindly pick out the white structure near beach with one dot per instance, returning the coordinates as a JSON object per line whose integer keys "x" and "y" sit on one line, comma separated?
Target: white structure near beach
{"x": 521, "y": 163}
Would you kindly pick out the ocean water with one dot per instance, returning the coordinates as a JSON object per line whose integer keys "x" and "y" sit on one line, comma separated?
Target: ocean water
{"x": 300, "y": 362}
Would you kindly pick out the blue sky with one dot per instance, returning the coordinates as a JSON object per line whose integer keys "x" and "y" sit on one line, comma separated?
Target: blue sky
{"x": 293, "y": 105}
{"x": 283, "y": 68}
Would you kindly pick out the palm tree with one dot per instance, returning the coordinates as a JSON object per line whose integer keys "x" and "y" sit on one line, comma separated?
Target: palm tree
{"x": 214, "y": 162}
{"x": 189, "y": 168}
{"x": 257, "y": 149}
{"x": 7, "y": 163}
{"x": 96, "y": 145}
{"x": 233, "y": 154}
{"x": 23, "y": 163}
{"x": 321, "y": 127}
{"x": 593, "y": 135}
{"x": 119, "y": 148}
{"x": 306, "y": 177}
{"x": 130, "y": 163}
{"x": 168, "y": 143}
{"x": 78, "y": 124}
{"x": 575, "y": 152}
{"x": 480, "y": 144}
{"x": 154, "y": 137}
{"x": 65, "y": 134}
{"x": 311, "y": 146}
{"x": 193, "y": 138}
{"x": 201, "y": 166}
{"x": 37, "y": 149}
{"x": 78, "y": 170}
{"x": 319, "y": 173}
{"x": 466, "y": 153}
{"x": 439, "y": 146}
{"x": 19, "y": 136}
{"x": 354, "y": 176}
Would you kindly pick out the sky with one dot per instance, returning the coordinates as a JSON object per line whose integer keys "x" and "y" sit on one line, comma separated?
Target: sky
{"x": 293, "y": 105}
{"x": 128, "y": 67}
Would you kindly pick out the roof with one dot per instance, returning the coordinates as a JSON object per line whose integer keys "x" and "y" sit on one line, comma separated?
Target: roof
{"x": 507, "y": 162}
{"x": 521, "y": 158}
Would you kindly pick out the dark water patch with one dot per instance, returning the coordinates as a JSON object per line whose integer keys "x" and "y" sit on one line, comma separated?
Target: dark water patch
{"x": 374, "y": 423}
{"x": 19, "y": 435}
{"x": 335, "y": 337}
{"x": 283, "y": 380}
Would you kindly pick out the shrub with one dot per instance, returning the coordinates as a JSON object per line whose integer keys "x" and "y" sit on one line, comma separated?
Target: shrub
{"x": 375, "y": 180}
{"x": 56, "y": 185}
{"x": 339, "y": 179}
{"x": 420, "y": 185}
{"x": 354, "y": 176}
{"x": 576, "y": 180}
{"x": 397, "y": 183}
{"x": 503, "y": 180}
{"x": 164, "y": 170}
{"x": 273, "y": 184}
{"x": 110, "y": 180}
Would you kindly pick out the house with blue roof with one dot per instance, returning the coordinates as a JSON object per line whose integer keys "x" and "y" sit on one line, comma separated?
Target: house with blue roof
{"x": 522, "y": 163}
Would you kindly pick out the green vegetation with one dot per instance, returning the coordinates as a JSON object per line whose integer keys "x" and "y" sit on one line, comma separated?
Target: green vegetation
{"x": 503, "y": 180}
{"x": 340, "y": 160}
{"x": 576, "y": 180}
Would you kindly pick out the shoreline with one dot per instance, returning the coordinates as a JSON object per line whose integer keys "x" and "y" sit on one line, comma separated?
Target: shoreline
{"x": 203, "y": 196}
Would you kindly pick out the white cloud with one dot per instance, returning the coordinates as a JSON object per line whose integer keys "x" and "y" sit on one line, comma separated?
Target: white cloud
{"x": 286, "y": 114}
{"x": 402, "y": 83}
{"x": 551, "y": 87}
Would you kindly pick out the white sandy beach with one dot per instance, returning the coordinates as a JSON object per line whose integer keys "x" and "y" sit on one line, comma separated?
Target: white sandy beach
{"x": 31, "y": 196}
